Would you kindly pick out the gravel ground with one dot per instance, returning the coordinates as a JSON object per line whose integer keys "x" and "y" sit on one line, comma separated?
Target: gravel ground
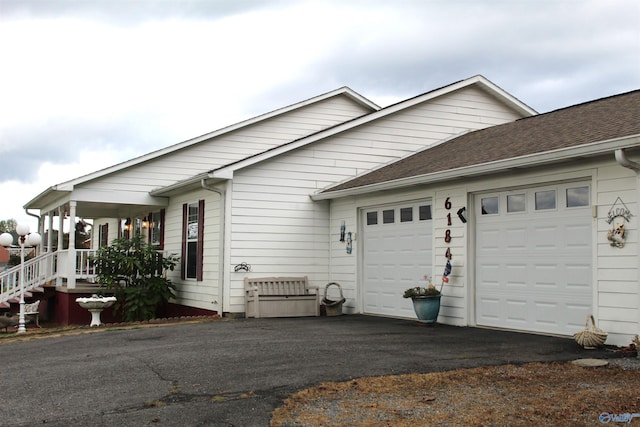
{"x": 626, "y": 363}
{"x": 531, "y": 394}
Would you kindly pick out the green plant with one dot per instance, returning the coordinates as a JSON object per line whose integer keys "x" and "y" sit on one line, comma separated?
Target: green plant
{"x": 137, "y": 273}
{"x": 422, "y": 291}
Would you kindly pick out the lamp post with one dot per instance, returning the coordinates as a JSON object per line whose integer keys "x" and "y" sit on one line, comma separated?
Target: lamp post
{"x": 25, "y": 239}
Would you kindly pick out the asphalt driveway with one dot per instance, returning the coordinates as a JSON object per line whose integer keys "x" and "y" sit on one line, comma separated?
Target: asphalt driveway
{"x": 234, "y": 372}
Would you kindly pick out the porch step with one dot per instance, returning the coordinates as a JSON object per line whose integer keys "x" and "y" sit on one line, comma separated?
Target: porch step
{"x": 16, "y": 299}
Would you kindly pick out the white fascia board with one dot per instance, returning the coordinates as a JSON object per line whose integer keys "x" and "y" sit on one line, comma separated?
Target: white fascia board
{"x": 511, "y": 100}
{"x": 526, "y": 111}
{"x": 355, "y": 96}
{"x": 593, "y": 149}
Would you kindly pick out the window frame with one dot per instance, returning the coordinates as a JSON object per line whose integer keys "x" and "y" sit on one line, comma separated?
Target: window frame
{"x": 103, "y": 235}
{"x": 199, "y": 240}
{"x": 566, "y": 196}
{"x": 156, "y": 222}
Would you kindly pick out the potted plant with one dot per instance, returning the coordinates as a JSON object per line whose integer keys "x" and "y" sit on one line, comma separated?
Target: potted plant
{"x": 426, "y": 300}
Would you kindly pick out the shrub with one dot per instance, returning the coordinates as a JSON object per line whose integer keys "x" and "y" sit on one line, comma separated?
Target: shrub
{"x": 137, "y": 272}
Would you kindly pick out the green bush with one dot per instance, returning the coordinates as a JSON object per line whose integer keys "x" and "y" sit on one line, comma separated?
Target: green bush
{"x": 137, "y": 273}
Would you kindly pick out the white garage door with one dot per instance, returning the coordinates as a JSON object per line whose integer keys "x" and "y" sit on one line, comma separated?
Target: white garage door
{"x": 397, "y": 253}
{"x": 533, "y": 259}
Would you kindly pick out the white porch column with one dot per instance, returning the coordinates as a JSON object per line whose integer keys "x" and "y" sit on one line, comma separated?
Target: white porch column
{"x": 49, "y": 231}
{"x": 71, "y": 254}
{"x": 60, "y": 242}
{"x": 40, "y": 248}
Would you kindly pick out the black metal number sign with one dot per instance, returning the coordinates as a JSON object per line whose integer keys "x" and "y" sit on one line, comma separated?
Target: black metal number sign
{"x": 447, "y": 233}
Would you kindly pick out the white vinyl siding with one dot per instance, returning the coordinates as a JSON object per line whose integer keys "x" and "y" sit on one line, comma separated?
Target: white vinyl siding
{"x": 618, "y": 272}
{"x": 278, "y": 230}
{"x": 203, "y": 294}
{"x": 454, "y": 303}
{"x": 228, "y": 148}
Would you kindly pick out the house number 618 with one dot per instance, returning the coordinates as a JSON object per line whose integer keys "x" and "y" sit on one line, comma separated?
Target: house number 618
{"x": 447, "y": 233}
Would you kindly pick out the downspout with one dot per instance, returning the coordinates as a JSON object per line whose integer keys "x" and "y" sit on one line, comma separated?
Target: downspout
{"x": 41, "y": 231}
{"x": 623, "y": 161}
{"x": 222, "y": 195}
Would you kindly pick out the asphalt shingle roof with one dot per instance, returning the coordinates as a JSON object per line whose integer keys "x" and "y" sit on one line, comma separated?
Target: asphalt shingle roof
{"x": 600, "y": 120}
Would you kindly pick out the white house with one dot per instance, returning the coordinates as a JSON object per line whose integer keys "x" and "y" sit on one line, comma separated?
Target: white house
{"x": 539, "y": 217}
{"x": 537, "y": 213}
{"x": 241, "y": 195}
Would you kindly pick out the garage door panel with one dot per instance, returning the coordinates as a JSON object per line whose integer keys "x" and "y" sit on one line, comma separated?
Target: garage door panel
{"x": 489, "y": 310}
{"x": 516, "y": 310}
{"x": 533, "y": 269}
{"x": 488, "y": 241}
{"x": 544, "y": 237}
{"x": 386, "y": 300}
{"x": 576, "y": 314}
{"x": 515, "y": 239}
{"x": 514, "y": 274}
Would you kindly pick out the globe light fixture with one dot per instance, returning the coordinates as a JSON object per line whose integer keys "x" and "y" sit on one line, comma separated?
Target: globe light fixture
{"x": 6, "y": 239}
{"x": 25, "y": 240}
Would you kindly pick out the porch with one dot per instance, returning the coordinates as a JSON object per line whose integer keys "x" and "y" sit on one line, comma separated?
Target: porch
{"x": 56, "y": 279}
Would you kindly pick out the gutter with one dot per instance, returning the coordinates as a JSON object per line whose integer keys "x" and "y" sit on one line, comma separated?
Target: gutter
{"x": 222, "y": 195}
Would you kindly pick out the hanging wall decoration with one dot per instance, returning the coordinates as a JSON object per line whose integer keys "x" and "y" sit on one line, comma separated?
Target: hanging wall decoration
{"x": 342, "y": 231}
{"x": 618, "y": 216}
{"x": 349, "y": 244}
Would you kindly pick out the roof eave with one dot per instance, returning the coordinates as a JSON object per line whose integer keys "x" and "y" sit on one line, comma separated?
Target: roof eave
{"x": 548, "y": 157}
{"x": 509, "y": 99}
{"x": 45, "y": 198}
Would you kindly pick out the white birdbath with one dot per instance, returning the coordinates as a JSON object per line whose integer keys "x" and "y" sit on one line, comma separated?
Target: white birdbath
{"x": 95, "y": 304}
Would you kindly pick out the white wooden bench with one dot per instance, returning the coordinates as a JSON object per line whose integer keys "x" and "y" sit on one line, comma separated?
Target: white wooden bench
{"x": 280, "y": 297}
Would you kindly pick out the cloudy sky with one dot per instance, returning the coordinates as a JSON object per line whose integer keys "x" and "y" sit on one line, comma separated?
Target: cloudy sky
{"x": 85, "y": 84}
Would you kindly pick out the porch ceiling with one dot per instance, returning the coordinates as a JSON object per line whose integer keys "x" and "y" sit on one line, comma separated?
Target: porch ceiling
{"x": 112, "y": 210}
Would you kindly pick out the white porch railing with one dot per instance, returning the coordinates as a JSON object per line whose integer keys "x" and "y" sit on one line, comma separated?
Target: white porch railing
{"x": 84, "y": 269}
{"x": 43, "y": 269}
{"x": 37, "y": 272}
